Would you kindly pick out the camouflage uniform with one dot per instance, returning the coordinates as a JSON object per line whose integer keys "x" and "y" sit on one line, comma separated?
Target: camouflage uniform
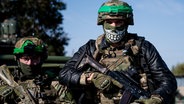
{"x": 22, "y": 86}
{"x": 118, "y": 51}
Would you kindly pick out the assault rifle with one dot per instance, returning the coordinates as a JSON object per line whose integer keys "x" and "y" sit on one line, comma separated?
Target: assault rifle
{"x": 131, "y": 89}
{"x": 22, "y": 92}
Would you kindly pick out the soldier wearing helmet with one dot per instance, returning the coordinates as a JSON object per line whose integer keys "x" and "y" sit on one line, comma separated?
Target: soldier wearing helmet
{"x": 38, "y": 83}
{"x": 119, "y": 11}
{"x": 30, "y": 53}
{"x": 120, "y": 52}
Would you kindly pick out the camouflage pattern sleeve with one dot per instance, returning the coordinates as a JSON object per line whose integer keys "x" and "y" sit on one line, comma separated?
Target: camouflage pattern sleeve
{"x": 64, "y": 94}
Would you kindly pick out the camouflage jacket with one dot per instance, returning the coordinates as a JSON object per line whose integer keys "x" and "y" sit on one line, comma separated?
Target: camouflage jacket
{"x": 16, "y": 91}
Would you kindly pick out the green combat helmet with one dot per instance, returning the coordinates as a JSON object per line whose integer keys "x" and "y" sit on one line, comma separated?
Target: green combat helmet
{"x": 30, "y": 45}
{"x": 115, "y": 9}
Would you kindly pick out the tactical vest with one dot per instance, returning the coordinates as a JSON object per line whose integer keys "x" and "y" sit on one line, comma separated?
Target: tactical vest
{"x": 121, "y": 58}
{"x": 124, "y": 58}
{"x": 51, "y": 94}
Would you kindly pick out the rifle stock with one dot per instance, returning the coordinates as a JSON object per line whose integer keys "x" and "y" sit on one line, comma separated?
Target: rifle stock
{"x": 130, "y": 87}
{"x": 7, "y": 77}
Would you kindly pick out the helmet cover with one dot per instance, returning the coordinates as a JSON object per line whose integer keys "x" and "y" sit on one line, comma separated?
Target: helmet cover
{"x": 30, "y": 45}
{"x": 115, "y": 9}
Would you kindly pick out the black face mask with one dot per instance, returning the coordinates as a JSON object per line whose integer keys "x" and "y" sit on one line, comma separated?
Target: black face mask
{"x": 30, "y": 71}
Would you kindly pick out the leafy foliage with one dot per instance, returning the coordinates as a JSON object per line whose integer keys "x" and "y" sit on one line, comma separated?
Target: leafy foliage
{"x": 41, "y": 18}
{"x": 178, "y": 70}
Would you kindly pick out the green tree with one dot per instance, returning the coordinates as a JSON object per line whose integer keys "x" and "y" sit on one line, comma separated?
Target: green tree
{"x": 41, "y": 18}
{"x": 178, "y": 70}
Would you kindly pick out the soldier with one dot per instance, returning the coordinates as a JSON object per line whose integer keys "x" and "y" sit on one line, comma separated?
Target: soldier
{"x": 29, "y": 83}
{"x": 120, "y": 52}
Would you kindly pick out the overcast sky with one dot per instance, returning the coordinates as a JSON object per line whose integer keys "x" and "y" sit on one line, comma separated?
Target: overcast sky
{"x": 159, "y": 21}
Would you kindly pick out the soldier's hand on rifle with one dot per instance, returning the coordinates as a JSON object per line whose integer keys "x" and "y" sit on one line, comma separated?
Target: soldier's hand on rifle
{"x": 152, "y": 100}
{"x": 102, "y": 81}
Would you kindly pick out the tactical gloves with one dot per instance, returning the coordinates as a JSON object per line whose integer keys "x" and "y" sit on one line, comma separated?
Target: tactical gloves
{"x": 152, "y": 100}
{"x": 104, "y": 82}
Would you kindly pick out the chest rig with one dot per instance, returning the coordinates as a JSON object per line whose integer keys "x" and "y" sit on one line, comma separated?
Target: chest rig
{"x": 124, "y": 57}
{"x": 120, "y": 57}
